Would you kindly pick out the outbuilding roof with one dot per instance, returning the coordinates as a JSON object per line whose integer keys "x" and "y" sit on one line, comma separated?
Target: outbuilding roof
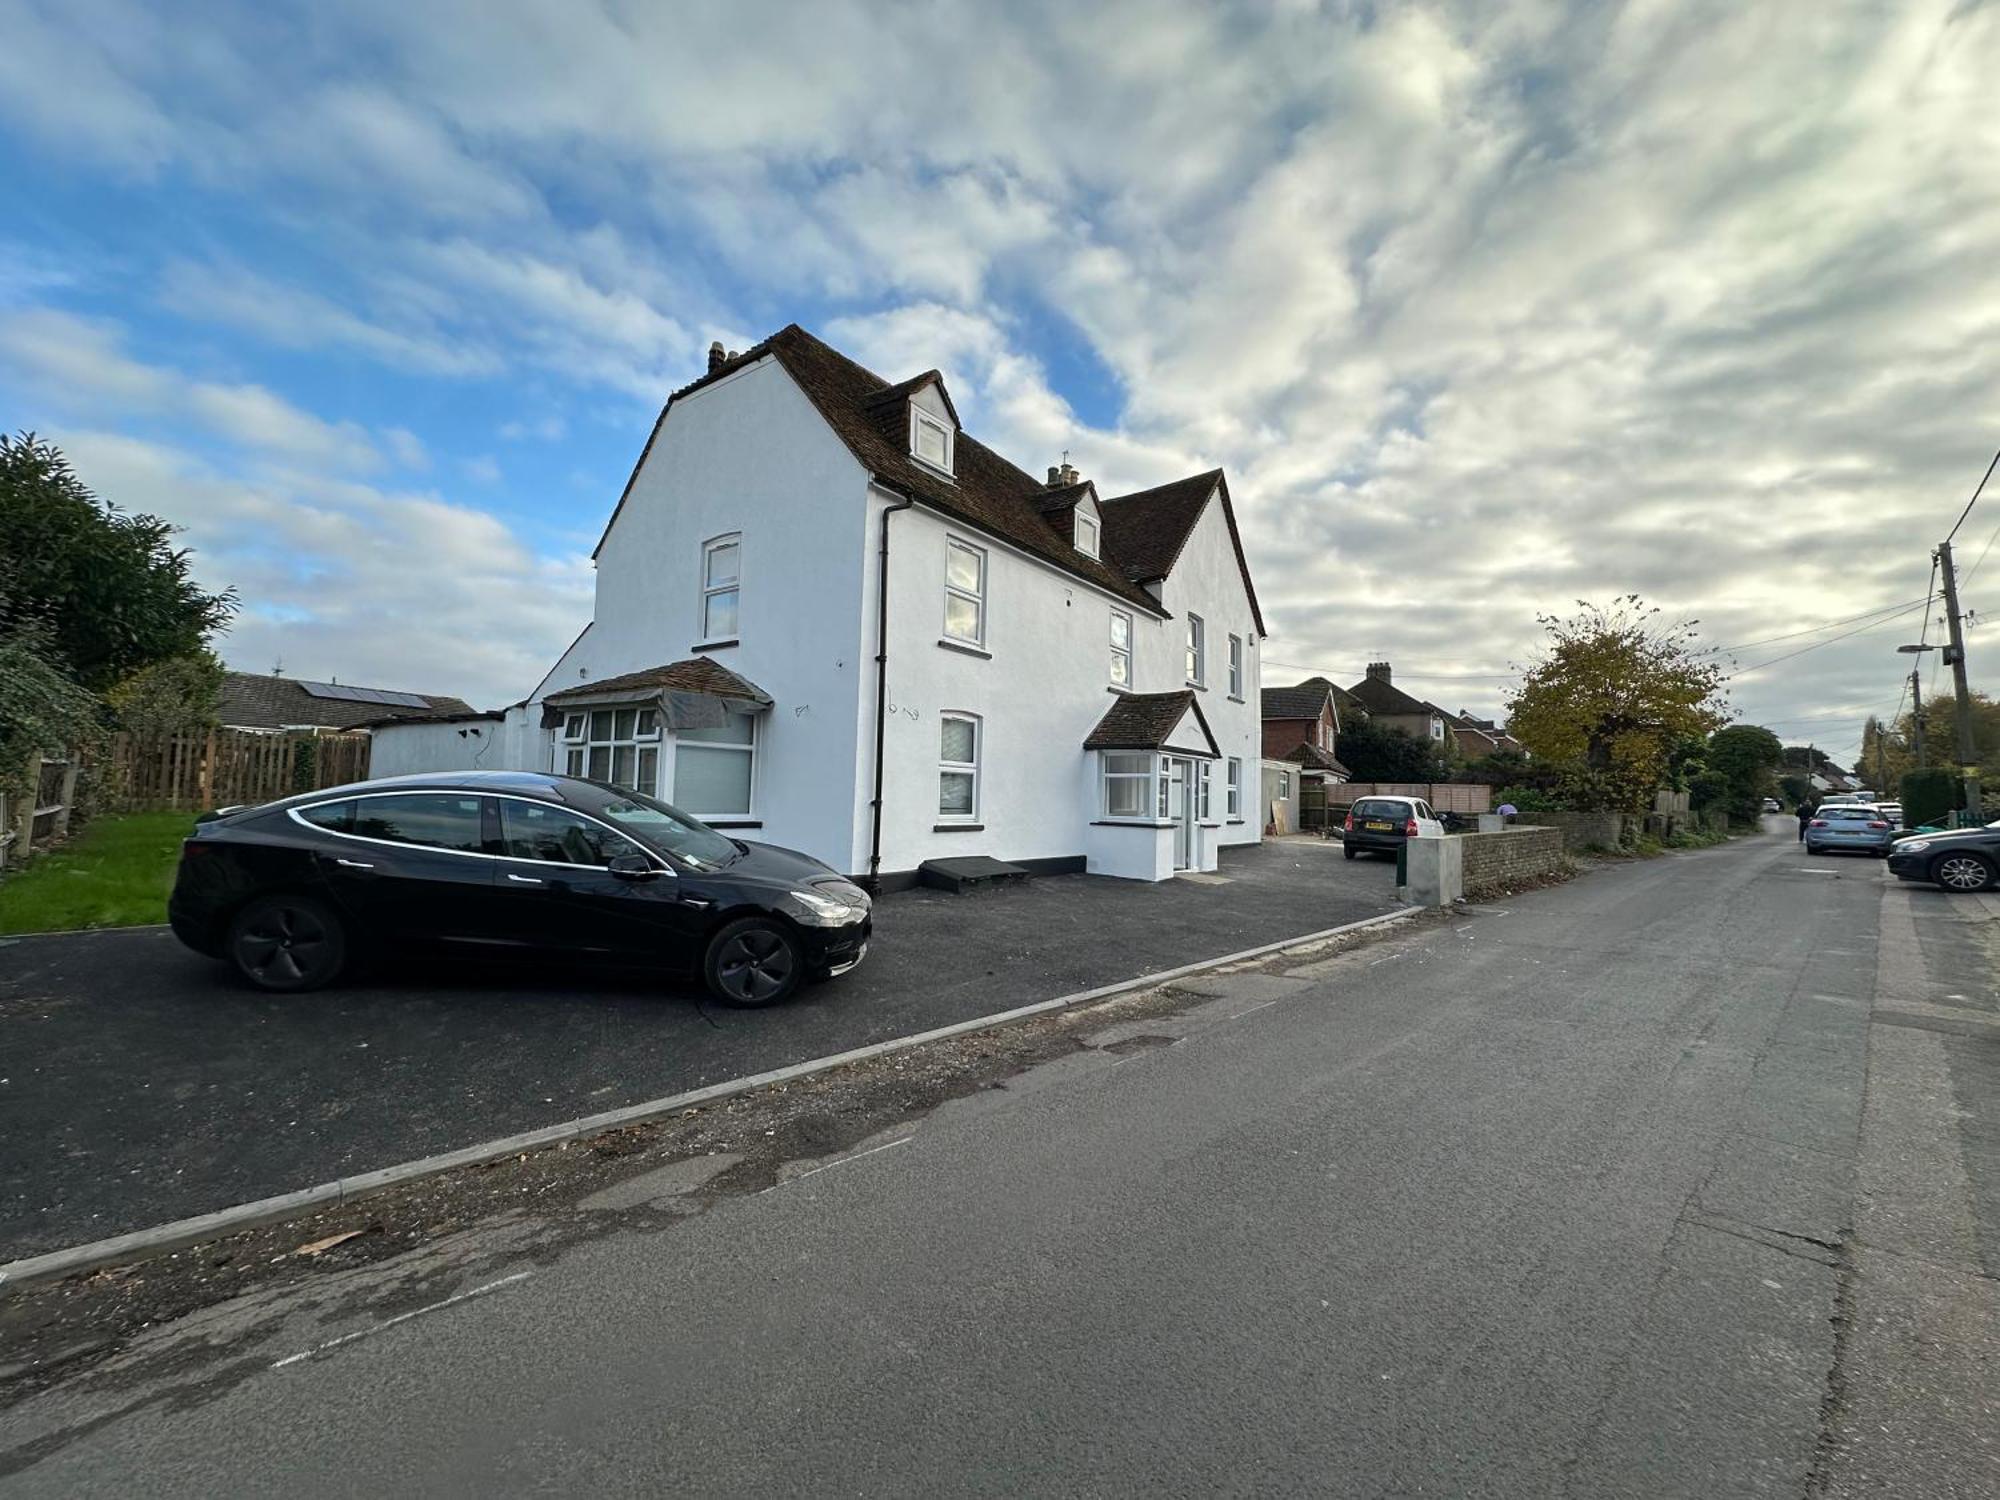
{"x": 253, "y": 700}
{"x": 696, "y": 675}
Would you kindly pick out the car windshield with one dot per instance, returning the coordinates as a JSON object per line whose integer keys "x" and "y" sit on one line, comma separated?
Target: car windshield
{"x": 668, "y": 828}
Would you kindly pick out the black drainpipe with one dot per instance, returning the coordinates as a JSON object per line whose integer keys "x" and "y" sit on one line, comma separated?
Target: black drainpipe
{"x": 881, "y": 693}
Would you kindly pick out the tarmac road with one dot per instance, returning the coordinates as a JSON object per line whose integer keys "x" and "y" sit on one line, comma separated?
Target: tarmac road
{"x": 1590, "y": 1194}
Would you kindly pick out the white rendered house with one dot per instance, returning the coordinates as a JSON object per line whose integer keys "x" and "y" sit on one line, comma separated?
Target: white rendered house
{"x": 829, "y": 619}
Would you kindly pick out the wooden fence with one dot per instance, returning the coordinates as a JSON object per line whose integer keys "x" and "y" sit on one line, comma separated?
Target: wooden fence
{"x": 1444, "y": 796}
{"x": 229, "y": 768}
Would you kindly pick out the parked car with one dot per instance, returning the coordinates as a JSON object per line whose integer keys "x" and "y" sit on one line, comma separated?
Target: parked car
{"x": 515, "y": 864}
{"x": 1771, "y": 805}
{"x": 1893, "y": 811}
{"x": 1381, "y": 824}
{"x": 1859, "y": 826}
{"x": 1963, "y": 859}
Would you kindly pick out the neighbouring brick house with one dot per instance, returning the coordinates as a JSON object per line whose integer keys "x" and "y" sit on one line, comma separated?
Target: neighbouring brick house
{"x": 1302, "y": 729}
{"x": 1391, "y": 707}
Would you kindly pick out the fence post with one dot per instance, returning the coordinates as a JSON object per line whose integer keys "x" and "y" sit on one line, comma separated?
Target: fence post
{"x": 68, "y": 796}
{"x": 208, "y": 771}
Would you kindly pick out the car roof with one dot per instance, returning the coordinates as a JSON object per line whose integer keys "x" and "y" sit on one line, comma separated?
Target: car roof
{"x": 541, "y": 785}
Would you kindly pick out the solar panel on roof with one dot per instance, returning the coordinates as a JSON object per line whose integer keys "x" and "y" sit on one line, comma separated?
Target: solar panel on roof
{"x": 342, "y": 694}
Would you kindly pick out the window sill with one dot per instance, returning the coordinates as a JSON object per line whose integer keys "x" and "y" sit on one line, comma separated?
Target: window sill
{"x": 958, "y": 828}
{"x": 715, "y": 645}
{"x": 1120, "y": 691}
{"x": 1236, "y": 822}
{"x": 964, "y": 649}
{"x": 1131, "y": 823}
{"x": 1201, "y": 687}
{"x": 733, "y": 822}
{"x": 1236, "y": 698}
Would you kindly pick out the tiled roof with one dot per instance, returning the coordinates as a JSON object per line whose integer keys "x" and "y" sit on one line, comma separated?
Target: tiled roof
{"x": 985, "y": 490}
{"x": 1301, "y": 702}
{"x": 1143, "y": 721}
{"x": 696, "y": 675}
{"x": 1313, "y": 758}
{"x": 253, "y": 700}
{"x": 1380, "y": 697}
{"x": 1145, "y": 531}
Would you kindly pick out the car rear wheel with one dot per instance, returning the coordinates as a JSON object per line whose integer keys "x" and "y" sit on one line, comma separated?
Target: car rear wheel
{"x": 287, "y": 944}
{"x": 753, "y": 962}
{"x": 1962, "y": 872}
{"x": 1349, "y": 850}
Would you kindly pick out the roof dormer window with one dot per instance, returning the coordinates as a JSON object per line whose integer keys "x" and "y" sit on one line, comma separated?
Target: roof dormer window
{"x": 930, "y": 440}
{"x": 1086, "y": 532}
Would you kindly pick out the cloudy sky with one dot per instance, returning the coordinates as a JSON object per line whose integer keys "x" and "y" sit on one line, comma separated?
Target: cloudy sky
{"x": 1485, "y": 308}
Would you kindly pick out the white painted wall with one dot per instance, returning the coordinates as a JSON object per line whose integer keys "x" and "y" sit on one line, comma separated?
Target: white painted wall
{"x": 1207, "y": 582}
{"x": 748, "y": 454}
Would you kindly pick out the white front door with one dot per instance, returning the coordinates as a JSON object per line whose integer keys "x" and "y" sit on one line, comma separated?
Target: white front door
{"x": 1180, "y": 808}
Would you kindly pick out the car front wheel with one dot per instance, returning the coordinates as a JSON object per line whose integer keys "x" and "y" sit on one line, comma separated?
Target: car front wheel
{"x": 1962, "y": 872}
{"x": 287, "y": 944}
{"x": 752, "y": 962}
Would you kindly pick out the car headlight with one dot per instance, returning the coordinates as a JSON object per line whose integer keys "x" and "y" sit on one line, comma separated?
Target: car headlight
{"x": 1912, "y": 846}
{"x": 831, "y": 907}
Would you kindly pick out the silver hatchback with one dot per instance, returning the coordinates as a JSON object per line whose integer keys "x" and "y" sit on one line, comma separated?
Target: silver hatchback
{"x": 1860, "y": 826}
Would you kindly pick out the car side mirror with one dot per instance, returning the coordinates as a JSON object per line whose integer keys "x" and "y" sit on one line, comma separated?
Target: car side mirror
{"x": 632, "y": 867}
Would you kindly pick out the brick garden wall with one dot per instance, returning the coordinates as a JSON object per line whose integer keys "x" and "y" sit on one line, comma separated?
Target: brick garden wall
{"x": 1510, "y": 856}
{"x": 1581, "y": 830}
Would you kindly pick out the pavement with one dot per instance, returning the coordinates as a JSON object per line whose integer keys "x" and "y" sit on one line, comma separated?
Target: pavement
{"x": 141, "y": 1083}
{"x": 1677, "y": 1180}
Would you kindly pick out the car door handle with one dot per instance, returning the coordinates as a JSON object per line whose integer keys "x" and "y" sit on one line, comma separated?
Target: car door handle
{"x": 353, "y": 864}
{"x": 699, "y": 903}
{"x": 524, "y": 879}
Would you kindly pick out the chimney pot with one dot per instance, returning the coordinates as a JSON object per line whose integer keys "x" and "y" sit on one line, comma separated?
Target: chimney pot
{"x": 1055, "y": 476}
{"x": 715, "y": 356}
{"x": 1378, "y": 671}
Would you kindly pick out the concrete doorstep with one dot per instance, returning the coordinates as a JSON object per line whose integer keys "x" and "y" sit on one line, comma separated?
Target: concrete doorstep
{"x": 142, "y": 1244}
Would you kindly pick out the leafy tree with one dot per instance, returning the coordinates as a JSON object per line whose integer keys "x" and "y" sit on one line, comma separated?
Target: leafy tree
{"x": 107, "y": 592}
{"x": 1889, "y": 750}
{"x": 1743, "y": 760}
{"x": 1929, "y": 796}
{"x": 42, "y": 711}
{"x": 1614, "y": 691}
{"x": 1373, "y": 753}
{"x": 169, "y": 697}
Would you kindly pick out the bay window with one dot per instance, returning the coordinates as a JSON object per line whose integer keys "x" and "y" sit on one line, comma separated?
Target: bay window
{"x": 1128, "y": 783}
{"x": 616, "y": 745}
{"x": 713, "y": 768}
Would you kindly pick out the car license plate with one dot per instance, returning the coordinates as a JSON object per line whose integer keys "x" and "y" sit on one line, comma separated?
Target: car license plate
{"x": 1376, "y": 827}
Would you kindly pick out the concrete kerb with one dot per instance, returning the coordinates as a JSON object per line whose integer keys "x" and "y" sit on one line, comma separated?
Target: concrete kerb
{"x": 142, "y": 1244}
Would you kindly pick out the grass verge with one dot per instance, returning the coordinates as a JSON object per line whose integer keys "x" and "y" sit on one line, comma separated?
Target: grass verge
{"x": 116, "y": 873}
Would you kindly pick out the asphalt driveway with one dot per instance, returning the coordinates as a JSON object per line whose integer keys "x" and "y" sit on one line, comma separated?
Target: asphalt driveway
{"x": 141, "y": 1083}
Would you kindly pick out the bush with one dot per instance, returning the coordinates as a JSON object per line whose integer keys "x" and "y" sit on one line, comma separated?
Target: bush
{"x": 42, "y": 711}
{"x": 1525, "y": 799}
{"x": 1929, "y": 796}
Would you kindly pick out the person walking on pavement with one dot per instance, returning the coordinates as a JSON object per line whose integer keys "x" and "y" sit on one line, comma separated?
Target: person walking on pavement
{"x": 1805, "y": 817}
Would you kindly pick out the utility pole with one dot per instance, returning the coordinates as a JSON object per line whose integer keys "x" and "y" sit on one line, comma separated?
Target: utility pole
{"x": 1917, "y": 712}
{"x": 1954, "y": 655}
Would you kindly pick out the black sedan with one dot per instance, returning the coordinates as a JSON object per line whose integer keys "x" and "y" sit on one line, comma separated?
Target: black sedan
{"x": 1965, "y": 859}
{"x": 509, "y": 864}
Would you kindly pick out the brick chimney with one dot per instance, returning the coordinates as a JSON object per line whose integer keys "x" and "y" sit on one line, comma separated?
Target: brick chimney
{"x": 1378, "y": 671}
{"x": 715, "y": 356}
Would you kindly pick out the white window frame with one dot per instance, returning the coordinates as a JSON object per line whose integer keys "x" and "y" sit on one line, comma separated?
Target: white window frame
{"x": 1149, "y": 781}
{"x": 953, "y": 591}
{"x": 750, "y": 749}
{"x": 961, "y": 767}
{"x": 1085, "y": 519}
{"x": 578, "y": 743}
{"x": 1120, "y": 653}
{"x": 1197, "y": 651}
{"x": 1233, "y": 800}
{"x": 1236, "y": 666}
{"x": 1284, "y": 786}
{"x": 921, "y": 420}
{"x": 711, "y": 590}
{"x": 1201, "y": 786}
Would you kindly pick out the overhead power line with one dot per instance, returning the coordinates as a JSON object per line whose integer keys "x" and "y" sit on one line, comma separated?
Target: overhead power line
{"x": 1887, "y": 609}
{"x": 1975, "y": 496}
{"x": 1830, "y": 640}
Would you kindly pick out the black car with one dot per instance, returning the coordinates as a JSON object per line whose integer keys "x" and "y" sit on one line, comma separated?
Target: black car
{"x": 509, "y": 864}
{"x": 1965, "y": 859}
{"x": 1384, "y": 824}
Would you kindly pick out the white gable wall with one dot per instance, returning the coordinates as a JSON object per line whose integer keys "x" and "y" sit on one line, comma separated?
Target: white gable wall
{"x": 1206, "y": 581}
{"x": 749, "y": 454}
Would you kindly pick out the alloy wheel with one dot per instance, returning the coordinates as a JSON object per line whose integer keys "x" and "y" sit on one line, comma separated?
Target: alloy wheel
{"x": 1963, "y": 872}
{"x": 284, "y": 946}
{"x": 754, "y": 965}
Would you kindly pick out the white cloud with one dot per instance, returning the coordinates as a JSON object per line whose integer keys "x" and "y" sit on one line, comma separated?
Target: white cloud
{"x": 406, "y": 447}
{"x": 544, "y": 429}
{"x": 483, "y": 469}
{"x": 80, "y": 365}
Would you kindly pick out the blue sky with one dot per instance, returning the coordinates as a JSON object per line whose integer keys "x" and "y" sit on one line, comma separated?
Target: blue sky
{"x": 1485, "y": 308}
